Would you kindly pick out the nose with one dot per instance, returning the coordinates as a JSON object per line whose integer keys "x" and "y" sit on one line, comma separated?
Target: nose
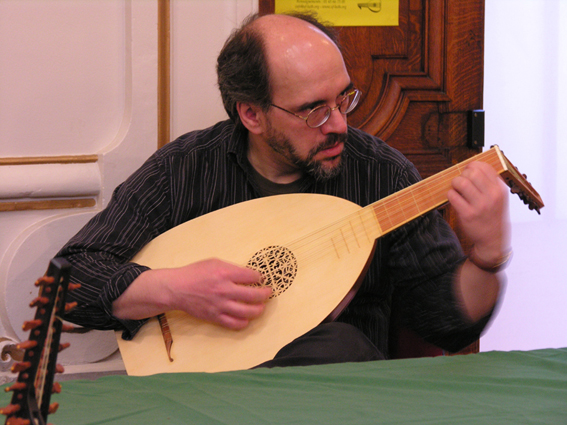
{"x": 337, "y": 123}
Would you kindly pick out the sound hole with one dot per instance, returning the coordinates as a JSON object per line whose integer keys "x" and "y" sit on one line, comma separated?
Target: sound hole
{"x": 278, "y": 266}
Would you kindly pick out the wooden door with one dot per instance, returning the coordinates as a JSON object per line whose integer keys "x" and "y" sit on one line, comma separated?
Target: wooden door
{"x": 419, "y": 81}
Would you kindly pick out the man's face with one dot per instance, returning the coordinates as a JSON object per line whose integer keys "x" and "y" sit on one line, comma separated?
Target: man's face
{"x": 301, "y": 82}
{"x": 307, "y": 70}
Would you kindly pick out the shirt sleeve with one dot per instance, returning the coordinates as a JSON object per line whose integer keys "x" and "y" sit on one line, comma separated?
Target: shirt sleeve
{"x": 101, "y": 251}
{"x": 423, "y": 261}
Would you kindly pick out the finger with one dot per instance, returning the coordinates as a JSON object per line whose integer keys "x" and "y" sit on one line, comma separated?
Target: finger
{"x": 462, "y": 195}
{"x": 252, "y": 295}
{"x": 486, "y": 169}
{"x": 242, "y": 310}
{"x": 491, "y": 188}
{"x": 476, "y": 181}
{"x": 457, "y": 201}
{"x": 482, "y": 175}
{"x": 243, "y": 275}
{"x": 233, "y": 323}
{"x": 238, "y": 315}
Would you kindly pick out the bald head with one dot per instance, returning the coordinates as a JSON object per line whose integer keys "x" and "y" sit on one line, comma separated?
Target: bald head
{"x": 291, "y": 29}
{"x": 297, "y": 52}
{"x": 289, "y": 33}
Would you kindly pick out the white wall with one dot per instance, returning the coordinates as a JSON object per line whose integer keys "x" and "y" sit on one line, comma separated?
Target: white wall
{"x": 195, "y": 99}
{"x": 525, "y": 98}
{"x": 80, "y": 78}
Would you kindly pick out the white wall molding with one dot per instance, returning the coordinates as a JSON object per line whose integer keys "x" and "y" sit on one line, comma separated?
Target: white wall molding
{"x": 43, "y": 181}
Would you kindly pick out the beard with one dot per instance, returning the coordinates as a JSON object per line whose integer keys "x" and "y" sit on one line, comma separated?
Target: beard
{"x": 318, "y": 169}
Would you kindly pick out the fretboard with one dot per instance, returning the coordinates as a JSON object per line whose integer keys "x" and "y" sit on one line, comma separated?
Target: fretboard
{"x": 428, "y": 194}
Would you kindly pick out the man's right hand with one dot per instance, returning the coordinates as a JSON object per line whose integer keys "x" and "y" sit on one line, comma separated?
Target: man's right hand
{"x": 211, "y": 290}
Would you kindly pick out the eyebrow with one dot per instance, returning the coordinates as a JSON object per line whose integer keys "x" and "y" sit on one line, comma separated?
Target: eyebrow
{"x": 312, "y": 105}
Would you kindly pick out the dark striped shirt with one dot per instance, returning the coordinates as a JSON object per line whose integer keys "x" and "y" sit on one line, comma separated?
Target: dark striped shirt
{"x": 202, "y": 171}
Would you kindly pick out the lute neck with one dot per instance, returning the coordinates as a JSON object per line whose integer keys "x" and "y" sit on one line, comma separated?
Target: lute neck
{"x": 403, "y": 206}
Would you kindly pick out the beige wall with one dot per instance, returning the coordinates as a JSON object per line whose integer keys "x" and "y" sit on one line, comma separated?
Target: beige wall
{"x": 79, "y": 113}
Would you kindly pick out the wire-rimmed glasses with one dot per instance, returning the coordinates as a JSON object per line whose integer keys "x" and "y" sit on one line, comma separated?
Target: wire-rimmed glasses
{"x": 320, "y": 114}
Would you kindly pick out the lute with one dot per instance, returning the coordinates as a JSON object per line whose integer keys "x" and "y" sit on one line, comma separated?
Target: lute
{"x": 30, "y": 404}
{"x": 313, "y": 250}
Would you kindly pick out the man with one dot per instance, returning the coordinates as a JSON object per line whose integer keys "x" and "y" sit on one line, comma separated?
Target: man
{"x": 287, "y": 91}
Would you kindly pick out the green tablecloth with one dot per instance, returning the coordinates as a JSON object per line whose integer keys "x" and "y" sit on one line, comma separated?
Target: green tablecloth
{"x": 487, "y": 388}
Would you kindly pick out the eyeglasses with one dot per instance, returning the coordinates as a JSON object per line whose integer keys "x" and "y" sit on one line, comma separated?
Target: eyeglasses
{"x": 320, "y": 114}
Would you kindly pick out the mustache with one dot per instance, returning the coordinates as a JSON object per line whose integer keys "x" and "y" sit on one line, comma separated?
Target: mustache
{"x": 332, "y": 140}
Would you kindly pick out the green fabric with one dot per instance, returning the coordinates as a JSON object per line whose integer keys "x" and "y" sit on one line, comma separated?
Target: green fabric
{"x": 486, "y": 388}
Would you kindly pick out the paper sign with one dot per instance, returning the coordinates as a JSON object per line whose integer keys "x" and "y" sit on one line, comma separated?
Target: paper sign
{"x": 346, "y": 13}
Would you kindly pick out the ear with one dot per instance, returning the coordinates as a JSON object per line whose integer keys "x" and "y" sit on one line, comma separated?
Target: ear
{"x": 252, "y": 117}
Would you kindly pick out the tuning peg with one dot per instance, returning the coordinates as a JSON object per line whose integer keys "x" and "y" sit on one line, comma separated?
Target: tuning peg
{"x": 45, "y": 280}
{"x": 17, "y": 386}
{"x": 31, "y": 324}
{"x": 39, "y": 301}
{"x": 70, "y": 306}
{"x": 532, "y": 207}
{"x": 59, "y": 368}
{"x": 67, "y": 328}
{"x": 18, "y": 421}
{"x": 10, "y": 409}
{"x": 53, "y": 408}
{"x": 64, "y": 346}
{"x": 56, "y": 388}
{"x": 73, "y": 286}
{"x": 20, "y": 366}
{"x": 24, "y": 345}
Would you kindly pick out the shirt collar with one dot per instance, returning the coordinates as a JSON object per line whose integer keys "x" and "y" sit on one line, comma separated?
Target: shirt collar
{"x": 238, "y": 146}
{"x": 237, "y": 151}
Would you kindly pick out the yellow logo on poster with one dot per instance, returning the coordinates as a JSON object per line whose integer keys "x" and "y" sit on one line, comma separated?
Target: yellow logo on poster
{"x": 346, "y": 13}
